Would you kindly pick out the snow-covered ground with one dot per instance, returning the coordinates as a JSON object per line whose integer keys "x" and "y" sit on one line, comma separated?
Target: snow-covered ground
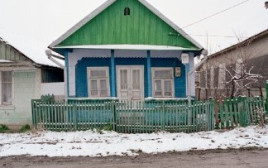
{"x": 93, "y": 143}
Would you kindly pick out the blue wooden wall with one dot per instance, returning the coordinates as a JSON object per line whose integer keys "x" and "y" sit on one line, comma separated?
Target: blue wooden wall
{"x": 81, "y": 72}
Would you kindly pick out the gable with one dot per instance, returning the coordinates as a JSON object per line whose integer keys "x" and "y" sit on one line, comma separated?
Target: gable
{"x": 9, "y": 53}
{"x": 141, "y": 27}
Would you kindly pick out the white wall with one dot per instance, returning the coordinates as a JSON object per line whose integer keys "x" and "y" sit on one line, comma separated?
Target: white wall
{"x": 57, "y": 89}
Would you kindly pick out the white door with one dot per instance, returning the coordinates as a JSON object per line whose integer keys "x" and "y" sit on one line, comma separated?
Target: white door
{"x": 130, "y": 83}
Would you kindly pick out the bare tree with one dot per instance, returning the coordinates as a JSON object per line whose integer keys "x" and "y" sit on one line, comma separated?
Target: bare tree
{"x": 232, "y": 73}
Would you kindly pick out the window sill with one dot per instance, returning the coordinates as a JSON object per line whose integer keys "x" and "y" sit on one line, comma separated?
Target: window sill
{"x": 7, "y": 107}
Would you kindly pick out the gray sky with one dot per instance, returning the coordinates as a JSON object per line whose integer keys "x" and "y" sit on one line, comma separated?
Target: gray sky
{"x": 45, "y": 20}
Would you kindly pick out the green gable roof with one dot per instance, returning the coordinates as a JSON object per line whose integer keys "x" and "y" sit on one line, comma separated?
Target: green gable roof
{"x": 109, "y": 26}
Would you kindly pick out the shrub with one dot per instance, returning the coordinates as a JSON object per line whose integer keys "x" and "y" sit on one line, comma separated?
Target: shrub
{"x": 3, "y": 128}
{"x": 25, "y": 128}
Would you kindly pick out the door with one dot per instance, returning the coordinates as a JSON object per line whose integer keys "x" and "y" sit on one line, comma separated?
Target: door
{"x": 130, "y": 83}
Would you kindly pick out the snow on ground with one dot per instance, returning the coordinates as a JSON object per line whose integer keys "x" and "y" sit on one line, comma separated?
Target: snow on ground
{"x": 94, "y": 144}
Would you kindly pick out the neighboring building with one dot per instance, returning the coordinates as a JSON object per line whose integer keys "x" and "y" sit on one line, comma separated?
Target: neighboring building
{"x": 126, "y": 49}
{"x": 215, "y": 71}
{"x": 21, "y": 79}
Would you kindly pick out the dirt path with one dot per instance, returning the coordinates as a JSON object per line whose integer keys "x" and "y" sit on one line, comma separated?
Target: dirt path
{"x": 215, "y": 158}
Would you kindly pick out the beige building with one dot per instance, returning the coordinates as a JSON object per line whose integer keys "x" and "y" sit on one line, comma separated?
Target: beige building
{"x": 23, "y": 77}
{"x": 241, "y": 69}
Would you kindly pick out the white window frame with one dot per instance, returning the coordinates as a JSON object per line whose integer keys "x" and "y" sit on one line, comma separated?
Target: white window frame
{"x": 89, "y": 69}
{"x": 12, "y": 89}
{"x": 162, "y": 82}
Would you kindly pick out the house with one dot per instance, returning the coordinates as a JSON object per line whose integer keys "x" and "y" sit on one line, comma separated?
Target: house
{"x": 216, "y": 72}
{"x": 127, "y": 49}
{"x": 21, "y": 80}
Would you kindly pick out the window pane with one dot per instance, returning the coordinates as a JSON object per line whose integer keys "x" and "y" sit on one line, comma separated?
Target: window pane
{"x": 94, "y": 87}
{"x": 123, "y": 79}
{"x": 6, "y": 93}
{"x": 97, "y": 73}
{"x": 6, "y": 87}
{"x": 103, "y": 84}
{"x": 163, "y": 74}
{"x": 158, "y": 88}
{"x": 103, "y": 88}
{"x": 6, "y": 77}
{"x": 167, "y": 88}
{"x": 136, "y": 79}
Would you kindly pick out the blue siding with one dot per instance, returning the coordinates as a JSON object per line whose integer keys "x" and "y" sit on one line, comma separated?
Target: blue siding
{"x": 81, "y": 72}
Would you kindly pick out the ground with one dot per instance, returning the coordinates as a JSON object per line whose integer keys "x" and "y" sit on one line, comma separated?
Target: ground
{"x": 240, "y": 147}
{"x": 249, "y": 158}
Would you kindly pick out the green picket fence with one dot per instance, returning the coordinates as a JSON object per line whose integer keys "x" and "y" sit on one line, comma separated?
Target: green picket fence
{"x": 266, "y": 95}
{"x": 125, "y": 117}
{"x": 239, "y": 112}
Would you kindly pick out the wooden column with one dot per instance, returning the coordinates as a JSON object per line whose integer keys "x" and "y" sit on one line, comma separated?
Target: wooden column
{"x": 113, "y": 93}
{"x": 149, "y": 74}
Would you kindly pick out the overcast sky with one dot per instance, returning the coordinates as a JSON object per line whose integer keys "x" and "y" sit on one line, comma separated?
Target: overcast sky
{"x": 45, "y": 20}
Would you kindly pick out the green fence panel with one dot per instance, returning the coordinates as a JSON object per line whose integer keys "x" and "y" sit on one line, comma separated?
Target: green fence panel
{"x": 125, "y": 117}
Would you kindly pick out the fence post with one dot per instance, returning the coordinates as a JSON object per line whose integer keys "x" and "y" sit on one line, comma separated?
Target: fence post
{"x": 163, "y": 115}
{"x": 212, "y": 114}
{"x": 33, "y": 102}
{"x": 267, "y": 97}
{"x": 243, "y": 111}
{"x": 75, "y": 116}
{"x": 113, "y": 108}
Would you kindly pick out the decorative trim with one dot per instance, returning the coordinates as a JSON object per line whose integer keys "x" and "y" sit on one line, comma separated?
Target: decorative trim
{"x": 128, "y": 47}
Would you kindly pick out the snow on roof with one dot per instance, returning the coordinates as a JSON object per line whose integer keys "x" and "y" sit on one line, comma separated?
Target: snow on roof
{"x": 128, "y": 47}
{"x": 31, "y": 48}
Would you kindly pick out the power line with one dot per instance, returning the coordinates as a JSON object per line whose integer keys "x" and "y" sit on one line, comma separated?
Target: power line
{"x": 223, "y": 36}
{"x": 217, "y": 13}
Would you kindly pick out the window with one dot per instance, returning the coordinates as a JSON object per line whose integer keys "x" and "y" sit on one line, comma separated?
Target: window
{"x": 6, "y": 87}
{"x": 98, "y": 82}
{"x": 127, "y": 11}
{"x": 222, "y": 76}
{"x": 163, "y": 83}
